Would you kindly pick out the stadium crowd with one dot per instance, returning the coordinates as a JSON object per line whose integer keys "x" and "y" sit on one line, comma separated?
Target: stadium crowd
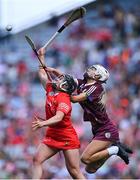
{"x": 109, "y": 36}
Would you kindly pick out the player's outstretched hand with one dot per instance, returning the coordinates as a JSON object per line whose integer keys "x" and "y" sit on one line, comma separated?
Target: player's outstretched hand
{"x": 38, "y": 123}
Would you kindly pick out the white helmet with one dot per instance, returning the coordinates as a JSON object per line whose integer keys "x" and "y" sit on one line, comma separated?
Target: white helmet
{"x": 100, "y": 71}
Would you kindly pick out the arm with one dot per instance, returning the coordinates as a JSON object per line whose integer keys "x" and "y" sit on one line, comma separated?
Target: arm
{"x": 44, "y": 77}
{"x": 91, "y": 94}
{"x": 78, "y": 98}
{"x": 52, "y": 121}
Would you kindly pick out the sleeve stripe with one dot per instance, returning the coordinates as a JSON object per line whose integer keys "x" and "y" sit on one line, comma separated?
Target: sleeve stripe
{"x": 91, "y": 90}
{"x": 92, "y": 87}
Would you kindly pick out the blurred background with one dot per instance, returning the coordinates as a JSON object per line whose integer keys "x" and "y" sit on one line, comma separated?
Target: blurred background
{"x": 109, "y": 34}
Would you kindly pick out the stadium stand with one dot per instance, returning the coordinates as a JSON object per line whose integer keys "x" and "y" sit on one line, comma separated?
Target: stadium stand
{"x": 109, "y": 35}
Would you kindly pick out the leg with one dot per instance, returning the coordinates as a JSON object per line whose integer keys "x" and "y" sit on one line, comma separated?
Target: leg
{"x": 95, "y": 154}
{"x": 93, "y": 167}
{"x": 72, "y": 160}
{"x": 44, "y": 152}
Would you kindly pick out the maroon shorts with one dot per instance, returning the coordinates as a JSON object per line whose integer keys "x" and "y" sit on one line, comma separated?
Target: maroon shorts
{"x": 106, "y": 132}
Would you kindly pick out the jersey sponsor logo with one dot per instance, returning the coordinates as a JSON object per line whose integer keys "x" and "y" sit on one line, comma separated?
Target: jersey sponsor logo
{"x": 67, "y": 143}
{"x": 107, "y": 135}
{"x": 63, "y": 106}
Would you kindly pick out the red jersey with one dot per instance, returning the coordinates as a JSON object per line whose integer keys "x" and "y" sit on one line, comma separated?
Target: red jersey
{"x": 62, "y": 135}
{"x": 59, "y": 101}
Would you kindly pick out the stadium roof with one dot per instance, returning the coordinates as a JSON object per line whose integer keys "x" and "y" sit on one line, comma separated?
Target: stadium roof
{"x": 23, "y": 14}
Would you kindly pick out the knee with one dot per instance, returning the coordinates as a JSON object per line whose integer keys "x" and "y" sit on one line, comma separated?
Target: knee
{"x": 90, "y": 171}
{"x": 85, "y": 159}
{"x": 74, "y": 171}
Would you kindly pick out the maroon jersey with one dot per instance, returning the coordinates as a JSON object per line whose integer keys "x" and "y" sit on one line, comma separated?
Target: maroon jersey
{"x": 94, "y": 109}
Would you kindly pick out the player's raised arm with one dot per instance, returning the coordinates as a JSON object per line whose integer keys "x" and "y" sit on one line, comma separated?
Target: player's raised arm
{"x": 44, "y": 77}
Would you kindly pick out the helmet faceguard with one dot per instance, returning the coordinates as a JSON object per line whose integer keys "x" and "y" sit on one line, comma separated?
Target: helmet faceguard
{"x": 67, "y": 84}
{"x": 97, "y": 72}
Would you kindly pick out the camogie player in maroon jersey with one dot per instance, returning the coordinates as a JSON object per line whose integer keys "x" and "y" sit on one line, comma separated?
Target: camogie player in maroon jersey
{"x": 60, "y": 134}
{"x": 105, "y": 142}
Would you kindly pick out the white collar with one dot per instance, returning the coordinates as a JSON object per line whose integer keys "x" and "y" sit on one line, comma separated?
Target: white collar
{"x": 90, "y": 83}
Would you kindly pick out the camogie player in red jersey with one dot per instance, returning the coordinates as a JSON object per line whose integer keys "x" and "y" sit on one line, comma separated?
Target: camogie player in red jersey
{"x": 105, "y": 142}
{"x": 60, "y": 134}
